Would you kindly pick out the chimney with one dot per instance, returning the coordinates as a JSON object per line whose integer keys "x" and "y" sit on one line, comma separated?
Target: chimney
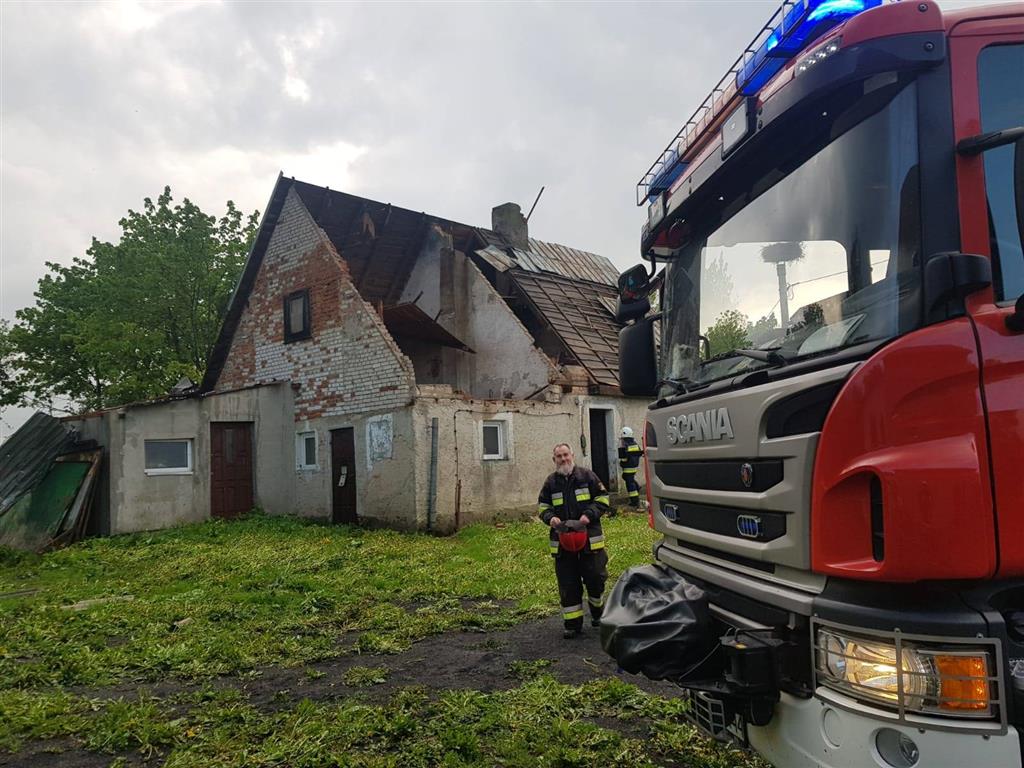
{"x": 508, "y": 221}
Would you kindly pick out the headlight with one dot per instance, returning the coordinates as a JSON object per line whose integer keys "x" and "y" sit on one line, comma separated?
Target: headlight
{"x": 929, "y": 680}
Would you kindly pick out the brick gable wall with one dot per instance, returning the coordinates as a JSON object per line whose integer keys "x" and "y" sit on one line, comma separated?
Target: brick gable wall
{"x": 349, "y": 364}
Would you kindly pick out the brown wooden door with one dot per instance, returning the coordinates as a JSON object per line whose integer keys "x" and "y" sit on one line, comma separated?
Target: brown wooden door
{"x": 230, "y": 468}
{"x": 343, "y": 476}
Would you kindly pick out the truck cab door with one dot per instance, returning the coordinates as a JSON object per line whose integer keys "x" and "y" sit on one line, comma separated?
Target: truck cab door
{"x": 987, "y": 58}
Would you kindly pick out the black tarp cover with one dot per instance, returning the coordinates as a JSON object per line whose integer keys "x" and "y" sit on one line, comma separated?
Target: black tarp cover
{"x": 658, "y": 624}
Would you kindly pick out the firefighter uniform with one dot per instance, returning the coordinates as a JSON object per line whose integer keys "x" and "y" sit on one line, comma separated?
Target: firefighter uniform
{"x": 629, "y": 460}
{"x": 569, "y": 497}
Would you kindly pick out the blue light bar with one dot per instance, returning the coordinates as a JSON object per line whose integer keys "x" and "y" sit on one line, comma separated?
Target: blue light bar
{"x": 671, "y": 169}
{"x": 793, "y": 26}
{"x": 801, "y": 23}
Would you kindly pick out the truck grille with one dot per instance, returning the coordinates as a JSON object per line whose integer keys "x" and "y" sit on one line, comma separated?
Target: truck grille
{"x": 750, "y": 476}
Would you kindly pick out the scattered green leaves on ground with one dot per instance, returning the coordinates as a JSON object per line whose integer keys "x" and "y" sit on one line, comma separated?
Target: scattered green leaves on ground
{"x": 221, "y": 598}
{"x": 540, "y": 723}
{"x": 362, "y": 677}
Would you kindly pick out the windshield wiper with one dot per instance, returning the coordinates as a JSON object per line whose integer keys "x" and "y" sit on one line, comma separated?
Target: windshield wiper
{"x": 680, "y": 385}
{"x": 770, "y": 356}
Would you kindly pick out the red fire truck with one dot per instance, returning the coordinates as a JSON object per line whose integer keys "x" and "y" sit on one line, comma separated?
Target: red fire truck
{"x": 836, "y": 452}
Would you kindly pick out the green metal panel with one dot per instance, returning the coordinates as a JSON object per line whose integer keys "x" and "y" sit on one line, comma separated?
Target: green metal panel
{"x": 36, "y": 518}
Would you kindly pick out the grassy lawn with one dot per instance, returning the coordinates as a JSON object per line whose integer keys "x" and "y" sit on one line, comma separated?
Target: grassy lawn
{"x": 210, "y": 605}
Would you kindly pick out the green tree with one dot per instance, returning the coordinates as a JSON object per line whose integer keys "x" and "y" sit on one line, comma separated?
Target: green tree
{"x": 126, "y": 322}
{"x": 716, "y": 287}
{"x": 728, "y": 333}
{"x": 8, "y": 386}
{"x": 764, "y": 330}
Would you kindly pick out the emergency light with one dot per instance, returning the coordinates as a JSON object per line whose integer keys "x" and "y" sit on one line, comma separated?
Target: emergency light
{"x": 802, "y": 22}
{"x": 794, "y": 25}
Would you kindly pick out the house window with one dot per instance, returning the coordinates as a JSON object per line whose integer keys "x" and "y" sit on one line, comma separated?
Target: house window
{"x": 296, "y": 316}
{"x": 305, "y": 450}
{"x": 495, "y": 440}
{"x": 168, "y": 457}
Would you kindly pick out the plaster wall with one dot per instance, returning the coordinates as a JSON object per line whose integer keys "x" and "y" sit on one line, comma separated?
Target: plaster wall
{"x": 505, "y": 362}
{"x": 473, "y": 489}
{"x": 385, "y": 469}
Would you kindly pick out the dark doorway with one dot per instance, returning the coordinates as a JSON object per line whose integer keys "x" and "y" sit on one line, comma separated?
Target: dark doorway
{"x": 599, "y": 418}
{"x": 343, "y": 476}
{"x": 230, "y": 468}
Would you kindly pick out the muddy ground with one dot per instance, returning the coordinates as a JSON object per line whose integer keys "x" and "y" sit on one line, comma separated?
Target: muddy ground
{"x": 460, "y": 660}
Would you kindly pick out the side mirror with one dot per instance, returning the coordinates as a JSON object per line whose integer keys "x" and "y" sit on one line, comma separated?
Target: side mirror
{"x": 635, "y": 286}
{"x": 631, "y": 310}
{"x": 634, "y": 283}
{"x": 638, "y": 363}
{"x": 949, "y": 278}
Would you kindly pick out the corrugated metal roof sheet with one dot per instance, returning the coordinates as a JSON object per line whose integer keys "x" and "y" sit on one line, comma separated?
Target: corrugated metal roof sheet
{"x": 27, "y": 455}
{"x": 554, "y": 258}
{"x": 576, "y": 311}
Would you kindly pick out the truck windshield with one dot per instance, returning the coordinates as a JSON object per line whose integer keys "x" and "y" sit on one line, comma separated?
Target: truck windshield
{"x": 825, "y": 257}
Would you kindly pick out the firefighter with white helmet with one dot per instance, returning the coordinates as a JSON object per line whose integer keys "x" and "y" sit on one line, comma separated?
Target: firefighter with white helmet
{"x": 629, "y": 460}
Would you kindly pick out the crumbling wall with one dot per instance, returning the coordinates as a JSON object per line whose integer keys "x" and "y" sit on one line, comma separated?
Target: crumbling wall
{"x": 448, "y": 286}
{"x": 507, "y": 363}
{"x": 349, "y": 364}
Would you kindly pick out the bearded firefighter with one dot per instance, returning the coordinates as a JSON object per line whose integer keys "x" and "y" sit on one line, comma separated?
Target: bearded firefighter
{"x": 629, "y": 461}
{"x": 571, "y": 504}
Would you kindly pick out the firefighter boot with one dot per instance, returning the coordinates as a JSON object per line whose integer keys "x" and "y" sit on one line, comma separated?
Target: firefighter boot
{"x": 596, "y": 607}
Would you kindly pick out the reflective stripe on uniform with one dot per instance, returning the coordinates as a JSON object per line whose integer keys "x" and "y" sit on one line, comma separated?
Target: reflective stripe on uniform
{"x": 630, "y": 471}
{"x": 542, "y": 508}
{"x": 553, "y": 547}
{"x": 634, "y": 494}
{"x": 572, "y": 612}
{"x": 597, "y": 602}
{"x": 603, "y": 500}
{"x": 633, "y": 449}
{"x": 597, "y": 542}
{"x": 582, "y": 494}
{"x": 556, "y": 499}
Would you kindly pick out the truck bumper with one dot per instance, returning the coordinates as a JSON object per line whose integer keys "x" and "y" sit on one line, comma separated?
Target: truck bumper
{"x": 813, "y": 733}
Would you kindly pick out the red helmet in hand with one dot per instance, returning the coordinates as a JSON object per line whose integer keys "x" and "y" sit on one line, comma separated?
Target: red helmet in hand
{"x": 572, "y": 535}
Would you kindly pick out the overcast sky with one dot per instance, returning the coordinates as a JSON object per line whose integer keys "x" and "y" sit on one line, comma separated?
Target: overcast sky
{"x": 449, "y": 108}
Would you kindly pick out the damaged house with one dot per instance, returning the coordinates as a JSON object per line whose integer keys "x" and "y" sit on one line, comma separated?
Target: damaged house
{"x": 383, "y": 366}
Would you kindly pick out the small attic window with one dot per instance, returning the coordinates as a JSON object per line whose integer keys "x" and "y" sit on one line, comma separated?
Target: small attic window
{"x": 296, "y": 316}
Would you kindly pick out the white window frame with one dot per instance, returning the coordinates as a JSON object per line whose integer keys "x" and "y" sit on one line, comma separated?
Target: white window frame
{"x": 300, "y": 451}
{"x": 186, "y": 470}
{"x": 502, "y": 426}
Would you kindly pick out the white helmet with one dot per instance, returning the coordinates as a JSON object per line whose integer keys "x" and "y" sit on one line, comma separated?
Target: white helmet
{"x": 627, "y": 432}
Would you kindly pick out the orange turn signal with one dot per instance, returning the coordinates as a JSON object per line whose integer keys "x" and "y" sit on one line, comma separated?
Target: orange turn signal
{"x": 963, "y": 682}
